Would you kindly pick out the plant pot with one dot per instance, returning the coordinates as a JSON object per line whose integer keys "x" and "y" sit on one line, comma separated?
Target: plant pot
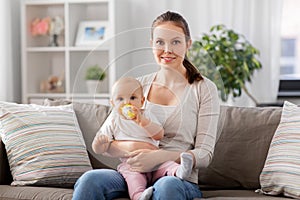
{"x": 95, "y": 86}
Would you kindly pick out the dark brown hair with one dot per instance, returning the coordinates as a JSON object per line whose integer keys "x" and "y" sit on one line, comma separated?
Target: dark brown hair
{"x": 192, "y": 73}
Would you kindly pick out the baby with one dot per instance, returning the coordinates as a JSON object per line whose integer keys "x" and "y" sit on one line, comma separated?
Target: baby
{"x": 128, "y": 121}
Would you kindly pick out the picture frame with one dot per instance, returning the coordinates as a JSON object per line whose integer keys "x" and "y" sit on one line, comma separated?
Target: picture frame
{"x": 92, "y": 33}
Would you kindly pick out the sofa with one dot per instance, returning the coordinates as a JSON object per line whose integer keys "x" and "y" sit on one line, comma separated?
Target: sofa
{"x": 243, "y": 139}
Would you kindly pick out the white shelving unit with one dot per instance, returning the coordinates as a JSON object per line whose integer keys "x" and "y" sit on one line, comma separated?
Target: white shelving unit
{"x": 40, "y": 61}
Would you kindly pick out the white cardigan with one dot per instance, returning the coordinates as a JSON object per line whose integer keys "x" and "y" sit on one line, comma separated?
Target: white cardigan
{"x": 193, "y": 124}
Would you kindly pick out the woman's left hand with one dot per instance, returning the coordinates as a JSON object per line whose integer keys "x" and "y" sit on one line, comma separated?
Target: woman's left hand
{"x": 144, "y": 160}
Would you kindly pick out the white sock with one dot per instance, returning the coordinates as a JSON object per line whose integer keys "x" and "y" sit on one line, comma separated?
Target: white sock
{"x": 186, "y": 166}
{"x": 147, "y": 194}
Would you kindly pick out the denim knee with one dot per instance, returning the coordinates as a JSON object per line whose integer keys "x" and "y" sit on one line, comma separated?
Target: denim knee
{"x": 169, "y": 187}
{"x": 100, "y": 184}
{"x": 85, "y": 185}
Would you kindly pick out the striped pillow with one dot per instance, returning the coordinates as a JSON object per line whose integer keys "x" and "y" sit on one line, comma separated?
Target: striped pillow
{"x": 44, "y": 144}
{"x": 281, "y": 172}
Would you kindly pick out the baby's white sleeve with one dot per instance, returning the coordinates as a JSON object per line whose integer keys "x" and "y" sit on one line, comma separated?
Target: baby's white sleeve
{"x": 108, "y": 127}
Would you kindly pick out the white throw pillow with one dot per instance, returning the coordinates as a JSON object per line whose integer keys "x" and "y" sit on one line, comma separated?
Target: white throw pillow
{"x": 281, "y": 172}
{"x": 44, "y": 144}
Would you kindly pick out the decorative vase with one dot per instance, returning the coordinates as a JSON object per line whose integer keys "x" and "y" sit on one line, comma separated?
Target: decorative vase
{"x": 95, "y": 86}
{"x": 53, "y": 40}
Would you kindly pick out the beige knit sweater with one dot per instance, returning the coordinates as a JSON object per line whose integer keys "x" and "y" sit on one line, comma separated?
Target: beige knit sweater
{"x": 191, "y": 125}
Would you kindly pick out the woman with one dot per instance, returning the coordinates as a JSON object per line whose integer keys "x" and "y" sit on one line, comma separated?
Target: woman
{"x": 187, "y": 105}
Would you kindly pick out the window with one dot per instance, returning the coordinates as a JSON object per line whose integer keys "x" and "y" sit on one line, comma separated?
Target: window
{"x": 290, "y": 49}
{"x": 288, "y": 56}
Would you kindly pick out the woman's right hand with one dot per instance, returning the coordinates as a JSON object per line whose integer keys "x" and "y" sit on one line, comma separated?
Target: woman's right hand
{"x": 145, "y": 160}
{"x": 123, "y": 148}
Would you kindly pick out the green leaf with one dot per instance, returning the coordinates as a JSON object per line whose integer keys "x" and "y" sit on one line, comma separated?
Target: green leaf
{"x": 95, "y": 73}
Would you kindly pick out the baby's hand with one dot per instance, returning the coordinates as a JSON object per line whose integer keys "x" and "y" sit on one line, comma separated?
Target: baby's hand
{"x": 102, "y": 143}
{"x": 102, "y": 139}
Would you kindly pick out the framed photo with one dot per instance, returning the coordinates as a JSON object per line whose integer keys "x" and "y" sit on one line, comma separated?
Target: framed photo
{"x": 91, "y": 33}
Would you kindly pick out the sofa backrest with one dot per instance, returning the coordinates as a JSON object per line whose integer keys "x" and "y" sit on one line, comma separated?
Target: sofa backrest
{"x": 244, "y": 136}
{"x": 243, "y": 139}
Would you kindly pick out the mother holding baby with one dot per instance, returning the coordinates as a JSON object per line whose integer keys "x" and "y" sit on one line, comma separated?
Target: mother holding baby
{"x": 187, "y": 105}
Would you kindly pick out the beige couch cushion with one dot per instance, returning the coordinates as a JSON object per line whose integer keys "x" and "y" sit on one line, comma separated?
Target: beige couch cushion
{"x": 243, "y": 141}
{"x": 236, "y": 195}
{"x": 8, "y": 192}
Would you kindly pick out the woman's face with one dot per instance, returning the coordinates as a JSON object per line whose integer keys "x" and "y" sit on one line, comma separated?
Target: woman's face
{"x": 169, "y": 45}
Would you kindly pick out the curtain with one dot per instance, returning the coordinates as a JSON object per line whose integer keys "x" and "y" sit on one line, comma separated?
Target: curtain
{"x": 5, "y": 48}
{"x": 10, "y": 76}
{"x": 4, "y": 61}
{"x": 258, "y": 20}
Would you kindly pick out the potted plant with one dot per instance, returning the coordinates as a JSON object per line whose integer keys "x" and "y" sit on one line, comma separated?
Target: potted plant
{"x": 94, "y": 75}
{"x": 226, "y": 58}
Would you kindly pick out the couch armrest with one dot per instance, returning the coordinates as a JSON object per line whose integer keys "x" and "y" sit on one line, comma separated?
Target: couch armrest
{"x": 5, "y": 175}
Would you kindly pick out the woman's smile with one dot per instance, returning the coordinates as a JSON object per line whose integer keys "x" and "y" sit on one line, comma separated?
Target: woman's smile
{"x": 168, "y": 59}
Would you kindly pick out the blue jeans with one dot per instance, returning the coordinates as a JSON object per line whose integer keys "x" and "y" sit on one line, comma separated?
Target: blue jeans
{"x": 107, "y": 184}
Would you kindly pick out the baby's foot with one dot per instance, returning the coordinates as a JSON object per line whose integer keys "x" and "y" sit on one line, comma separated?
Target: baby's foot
{"x": 186, "y": 166}
{"x": 146, "y": 195}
